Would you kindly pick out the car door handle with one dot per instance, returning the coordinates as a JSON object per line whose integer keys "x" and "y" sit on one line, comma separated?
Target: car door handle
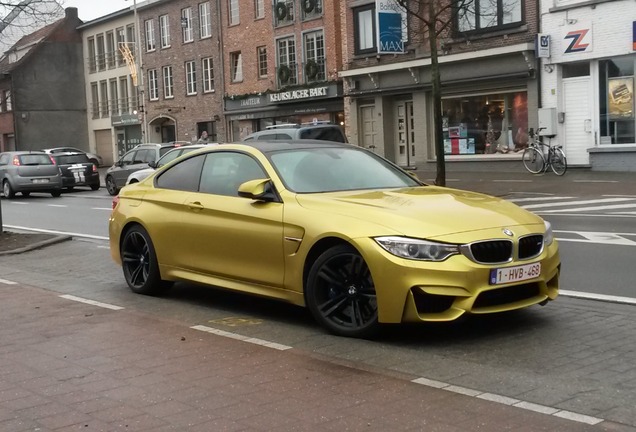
{"x": 195, "y": 205}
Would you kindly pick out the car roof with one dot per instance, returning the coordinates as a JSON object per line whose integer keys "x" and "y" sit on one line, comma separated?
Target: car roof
{"x": 23, "y": 152}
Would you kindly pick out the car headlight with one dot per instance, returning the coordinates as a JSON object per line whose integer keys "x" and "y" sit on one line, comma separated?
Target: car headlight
{"x": 548, "y": 237}
{"x": 417, "y": 249}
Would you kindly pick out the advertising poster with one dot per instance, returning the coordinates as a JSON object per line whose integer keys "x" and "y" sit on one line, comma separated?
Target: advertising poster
{"x": 621, "y": 98}
{"x": 392, "y": 30}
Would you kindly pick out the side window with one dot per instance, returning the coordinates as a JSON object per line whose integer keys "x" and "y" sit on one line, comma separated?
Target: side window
{"x": 141, "y": 156}
{"x": 4, "y": 159}
{"x": 183, "y": 176}
{"x": 128, "y": 158}
{"x": 324, "y": 134}
{"x": 224, "y": 172}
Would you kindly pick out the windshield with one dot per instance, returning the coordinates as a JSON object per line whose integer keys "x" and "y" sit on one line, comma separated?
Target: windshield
{"x": 330, "y": 169}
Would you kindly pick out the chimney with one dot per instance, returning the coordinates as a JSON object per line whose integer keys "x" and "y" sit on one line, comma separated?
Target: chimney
{"x": 71, "y": 12}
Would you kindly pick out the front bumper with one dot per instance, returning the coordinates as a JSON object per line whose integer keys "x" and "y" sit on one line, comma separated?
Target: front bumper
{"x": 413, "y": 291}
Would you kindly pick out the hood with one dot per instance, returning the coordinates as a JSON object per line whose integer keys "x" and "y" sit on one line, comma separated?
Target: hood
{"x": 422, "y": 212}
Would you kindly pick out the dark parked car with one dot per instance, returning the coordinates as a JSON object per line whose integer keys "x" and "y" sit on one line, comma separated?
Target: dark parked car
{"x": 26, "y": 172}
{"x": 134, "y": 160}
{"x": 76, "y": 170}
{"x": 95, "y": 158}
{"x": 294, "y": 131}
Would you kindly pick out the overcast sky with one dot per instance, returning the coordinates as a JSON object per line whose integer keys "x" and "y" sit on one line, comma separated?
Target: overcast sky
{"x": 90, "y": 9}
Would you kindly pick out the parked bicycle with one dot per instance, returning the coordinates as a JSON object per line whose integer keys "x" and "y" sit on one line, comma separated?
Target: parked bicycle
{"x": 537, "y": 160}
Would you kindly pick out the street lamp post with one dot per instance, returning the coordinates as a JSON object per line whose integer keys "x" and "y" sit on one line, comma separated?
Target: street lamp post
{"x": 140, "y": 75}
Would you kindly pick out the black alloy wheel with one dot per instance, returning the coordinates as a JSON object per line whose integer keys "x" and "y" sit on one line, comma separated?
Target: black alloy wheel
{"x": 341, "y": 294}
{"x": 139, "y": 262}
{"x": 111, "y": 187}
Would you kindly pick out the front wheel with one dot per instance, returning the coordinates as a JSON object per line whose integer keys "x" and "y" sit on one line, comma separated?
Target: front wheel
{"x": 533, "y": 160}
{"x": 111, "y": 186}
{"x": 56, "y": 194}
{"x": 139, "y": 262}
{"x": 340, "y": 293}
{"x": 558, "y": 163}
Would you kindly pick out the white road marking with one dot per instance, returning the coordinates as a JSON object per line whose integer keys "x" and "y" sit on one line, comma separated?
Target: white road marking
{"x": 237, "y": 336}
{"x": 599, "y": 297}
{"x": 91, "y": 302}
{"x": 551, "y": 198}
{"x": 512, "y": 181}
{"x": 90, "y": 236}
{"x": 595, "y": 181}
{"x": 597, "y": 238}
{"x": 570, "y": 203}
{"x": 580, "y": 418}
{"x": 19, "y": 203}
{"x": 57, "y": 205}
{"x": 7, "y": 282}
{"x": 102, "y": 208}
{"x": 607, "y": 207}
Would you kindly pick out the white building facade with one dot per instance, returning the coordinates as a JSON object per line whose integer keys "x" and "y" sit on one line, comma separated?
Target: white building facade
{"x": 587, "y": 80}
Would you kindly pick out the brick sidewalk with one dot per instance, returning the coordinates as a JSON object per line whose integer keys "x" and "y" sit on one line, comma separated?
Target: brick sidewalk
{"x": 67, "y": 366}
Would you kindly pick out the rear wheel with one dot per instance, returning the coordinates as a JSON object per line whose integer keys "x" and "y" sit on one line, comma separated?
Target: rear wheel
{"x": 139, "y": 262}
{"x": 341, "y": 294}
{"x": 558, "y": 163}
{"x": 111, "y": 187}
{"x": 7, "y": 190}
{"x": 56, "y": 194}
{"x": 533, "y": 160}
{"x": 95, "y": 187}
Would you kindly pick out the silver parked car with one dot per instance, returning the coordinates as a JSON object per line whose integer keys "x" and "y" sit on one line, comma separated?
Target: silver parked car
{"x": 26, "y": 172}
{"x": 138, "y": 176}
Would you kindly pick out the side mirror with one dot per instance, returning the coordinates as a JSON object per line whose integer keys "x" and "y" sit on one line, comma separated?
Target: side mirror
{"x": 258, "y": 190}
{"x": 152, "y": 165}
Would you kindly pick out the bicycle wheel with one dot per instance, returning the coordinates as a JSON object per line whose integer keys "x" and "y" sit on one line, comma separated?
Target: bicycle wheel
{"x": 533, "y": 160}
{"x": 558, "y": 163}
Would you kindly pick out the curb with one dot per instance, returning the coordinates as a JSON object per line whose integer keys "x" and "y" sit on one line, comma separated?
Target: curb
{"x": 38, "y": 245}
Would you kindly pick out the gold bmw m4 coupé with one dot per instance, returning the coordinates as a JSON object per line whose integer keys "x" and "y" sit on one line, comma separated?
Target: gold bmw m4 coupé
{"x": 335, "y": 228}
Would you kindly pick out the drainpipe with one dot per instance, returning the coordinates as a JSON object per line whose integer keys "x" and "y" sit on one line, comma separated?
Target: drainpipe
{"x": 221, "y": 48}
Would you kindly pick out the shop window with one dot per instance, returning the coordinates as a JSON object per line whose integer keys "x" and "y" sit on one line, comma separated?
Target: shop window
{"x": 488, "y": 15}
{"x": 485, "y": 124}
{"x": 364, "y": 29}
{"x": 210, "y": 128}
{"x": 616, "y": 105}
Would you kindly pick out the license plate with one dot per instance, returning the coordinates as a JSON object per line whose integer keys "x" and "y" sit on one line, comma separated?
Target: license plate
{"x": 514, "y": 274}
{"x": 43, "y": 180}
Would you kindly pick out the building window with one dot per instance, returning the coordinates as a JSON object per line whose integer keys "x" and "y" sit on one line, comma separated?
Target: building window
{"x": 153, "y": 85}
{"x": 236, "y": 66}
{"x": 121, "y": 39}
{"x": 495, "y": 123}
{"x": 314, "y": 68}
{"x": 130, "y": 34}
{"x": 186, "y": 25}
{"x": 364, "y": 29}
{"x": 207, "y": 66}
{"x": 191, "y": 77}
{"x": 164, "y": 28}
{"x": 210, "y": 128}
{"x": 287, "y": 70}
{"x": 259, "y": 9}
{"x": 311, "y": 9}
{"x": 489, "y": 14}
{"x": 113, "y": 99}
{"x": 261, "y": 53}
{"x": 103, "y": 99}
{"x": 92, "y": 56}
{"x": 101, "y": 53}
{"x": 168, "y": 83}
{"x": 205, "y": 20}
{"x": 283, "y": 12}
{"x": 8, "y": 105}
{"x": 124, "y": 106}
{"x": 110, "y": 49}
{"x": 616, "y": 104}
{"x": 95, "y": 100}
{"x": 234, "y": 11}
{"x": 150, "y": 35}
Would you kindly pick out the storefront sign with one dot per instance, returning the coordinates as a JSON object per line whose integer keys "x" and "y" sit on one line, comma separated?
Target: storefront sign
{"x": 621, "y": 98}
{"x": 543, "y": 45}
{"x": 251, "y": 101}
{"x": 578, "y": 40}
{"x": 298, "y": 94}
{"x": 392, "y": 27}
{"x": 125, "y": 119}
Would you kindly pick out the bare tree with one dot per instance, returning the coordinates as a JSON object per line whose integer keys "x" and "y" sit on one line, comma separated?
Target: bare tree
{"x": 21, "y": 17}
{"x": 430, "y": 20}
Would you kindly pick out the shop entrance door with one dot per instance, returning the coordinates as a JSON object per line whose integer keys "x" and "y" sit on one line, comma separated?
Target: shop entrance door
{"x": 368, "y": 128}
{"x": 404, "y": 134}
{"x": 578, "y": 129}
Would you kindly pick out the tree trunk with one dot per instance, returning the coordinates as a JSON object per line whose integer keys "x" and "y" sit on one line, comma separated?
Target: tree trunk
{"x": 440, "y": 179}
